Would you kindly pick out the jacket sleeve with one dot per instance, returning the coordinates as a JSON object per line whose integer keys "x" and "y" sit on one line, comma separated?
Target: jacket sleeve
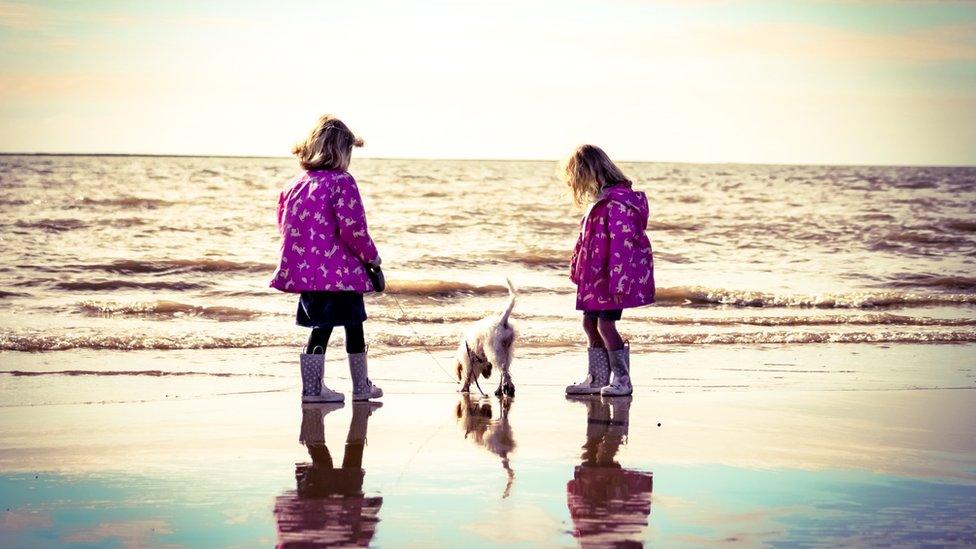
{"x": 574, "y": 262}
{"x": 352, "y": 219}
{"x": 621, "y": 226}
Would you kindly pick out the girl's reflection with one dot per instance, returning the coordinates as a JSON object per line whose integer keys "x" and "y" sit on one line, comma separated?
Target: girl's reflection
{"x": 329, "y": 506}
{"x": 609, "y": 505}
{"x": 475, "y": 417}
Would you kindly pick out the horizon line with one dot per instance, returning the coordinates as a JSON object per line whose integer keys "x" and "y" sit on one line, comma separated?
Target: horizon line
{"x": 458, "y": 159}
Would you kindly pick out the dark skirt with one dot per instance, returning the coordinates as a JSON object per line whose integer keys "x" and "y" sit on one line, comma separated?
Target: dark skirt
{"x": 609, "y": 314}
{"x": 330, "y": 309}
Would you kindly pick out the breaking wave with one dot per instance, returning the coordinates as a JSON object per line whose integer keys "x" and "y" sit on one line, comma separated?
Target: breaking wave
{"x": 172, "y": 266}
{"x": 881, "y": 319}
{"x": 167, "y": 309}
{"x": 127, "y": 202}
{"x": 549, "y": 259}
{"x": 33, "y": 342}
{"x": 5, "y": 293}
{"x": 52, "y": 225}
{"x": 109, "y": 285}
{"x": 685, "y": 295}
{"x": 962, "y": 225}
{"x": 441, "y": 288}
{"x": 921, "y": 280}
{"x": 150, "y": 373}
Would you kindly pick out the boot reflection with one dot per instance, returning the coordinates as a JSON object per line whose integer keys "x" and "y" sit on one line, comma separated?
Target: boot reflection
{"x": 475, "y": 415}
{"x": 328, "y": 506}
{"x": 609, "y": 504}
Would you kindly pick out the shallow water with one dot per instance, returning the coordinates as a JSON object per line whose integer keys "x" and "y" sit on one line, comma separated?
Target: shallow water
{"x": 769, "y": 446}
{"x": 175, "y": 253}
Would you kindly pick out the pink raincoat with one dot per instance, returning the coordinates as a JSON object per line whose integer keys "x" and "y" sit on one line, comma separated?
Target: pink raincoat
{"x": 613, "y": 266}
{"x": 325, "y": 243}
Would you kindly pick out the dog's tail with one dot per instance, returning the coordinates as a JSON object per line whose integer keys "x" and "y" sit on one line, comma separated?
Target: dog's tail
{"x": 511, "y": 302}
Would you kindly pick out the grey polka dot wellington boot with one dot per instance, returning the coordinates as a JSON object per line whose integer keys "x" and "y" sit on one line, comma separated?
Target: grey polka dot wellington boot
{"x": 597, "y": 377}
{"x": 313, "y": 387}
{"x": 362, "y": 387}
{"x": 620, "y": 384}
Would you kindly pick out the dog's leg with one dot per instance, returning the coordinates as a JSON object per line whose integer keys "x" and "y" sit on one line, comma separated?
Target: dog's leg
{"x": 478, "y": 385}
{"x": 507, "y": 387}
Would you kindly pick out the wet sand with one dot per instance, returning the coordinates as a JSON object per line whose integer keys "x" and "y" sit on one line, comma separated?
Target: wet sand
{"x": 836, "y": 444}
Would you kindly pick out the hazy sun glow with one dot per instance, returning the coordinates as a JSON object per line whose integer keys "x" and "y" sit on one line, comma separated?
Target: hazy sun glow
{"x": 713, "y": 81}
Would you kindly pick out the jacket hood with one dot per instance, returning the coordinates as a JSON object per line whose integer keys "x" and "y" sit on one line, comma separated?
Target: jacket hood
{"x": 635, "y": 200}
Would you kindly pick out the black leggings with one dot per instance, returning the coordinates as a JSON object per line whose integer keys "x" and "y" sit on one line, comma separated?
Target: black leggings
{"x": 355, "y": 339}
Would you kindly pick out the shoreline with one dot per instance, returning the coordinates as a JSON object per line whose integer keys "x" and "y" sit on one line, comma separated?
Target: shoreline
{"x": 532, "y": 160}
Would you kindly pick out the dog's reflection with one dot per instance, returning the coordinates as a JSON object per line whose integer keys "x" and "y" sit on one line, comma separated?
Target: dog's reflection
{"x": 328, "y": 506}
{"x": 609, "y": 504}
{"x": 476, "y": 416}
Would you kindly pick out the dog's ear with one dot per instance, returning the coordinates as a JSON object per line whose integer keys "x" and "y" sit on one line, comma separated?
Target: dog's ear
{"x": 486, "y": 371}
{"x": 459, "y": 369}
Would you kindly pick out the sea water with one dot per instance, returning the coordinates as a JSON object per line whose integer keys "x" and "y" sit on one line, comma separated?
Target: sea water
{"x": 102, "y": 252}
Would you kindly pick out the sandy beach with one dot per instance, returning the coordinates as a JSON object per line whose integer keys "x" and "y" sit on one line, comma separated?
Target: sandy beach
{"x": 836, "y": 444}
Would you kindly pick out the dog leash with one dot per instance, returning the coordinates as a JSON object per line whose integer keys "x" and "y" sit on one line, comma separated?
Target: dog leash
{"x": 403, "y": 314}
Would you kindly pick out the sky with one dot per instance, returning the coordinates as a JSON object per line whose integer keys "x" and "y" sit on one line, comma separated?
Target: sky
{"x": 815, "y": 82}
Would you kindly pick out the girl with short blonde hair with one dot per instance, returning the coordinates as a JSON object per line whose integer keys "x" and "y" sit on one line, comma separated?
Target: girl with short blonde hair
{"x": 325, "y": 252}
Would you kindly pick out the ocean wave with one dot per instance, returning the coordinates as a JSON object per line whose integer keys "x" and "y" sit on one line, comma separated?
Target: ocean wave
{"x": 881, "y": 319}
{"x": 172, "y": 266}
{"x": 123, "y": 222}
{"x": 924, "y": 238}
{"x": 433, "y": 317}
{"x": 684, "y": 295}
{"x": 962, "y": 225}
{"x": 540, "y": 258}
{"x": 927, "y": 280}
{"x": 441, "y": 288}
{"x": 109, "y": 373}
{"x": 712, "y": 338}
{"x": 672, "y": 226}
{"x": 52, "y": 225}
{"x": 128, "y": 202}
{"x": 5, "y": 294}
{"x": 35, "y": 342}
{"x": 167, "y": 309}
{"x": 874, "y": 319}
{"x": 109, "y": 285}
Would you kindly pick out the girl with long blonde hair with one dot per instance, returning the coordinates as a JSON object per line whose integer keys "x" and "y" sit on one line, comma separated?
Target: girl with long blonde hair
{"x": 612, "y": 265}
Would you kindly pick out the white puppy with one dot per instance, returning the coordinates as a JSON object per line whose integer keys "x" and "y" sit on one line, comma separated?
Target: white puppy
{"x": 489, "y": 342}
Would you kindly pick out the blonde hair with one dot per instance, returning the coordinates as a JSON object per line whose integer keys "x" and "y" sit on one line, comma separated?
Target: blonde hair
{"x": 587, "y": 170}
{"x": 328, "y": 146}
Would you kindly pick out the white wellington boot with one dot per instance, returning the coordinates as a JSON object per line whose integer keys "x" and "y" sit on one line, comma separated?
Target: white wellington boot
{"x": 598, "y": 374}
{"x": 362, "y": 387}
{"x": 314, "y": 388}
{"x": 620, "y": 368}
